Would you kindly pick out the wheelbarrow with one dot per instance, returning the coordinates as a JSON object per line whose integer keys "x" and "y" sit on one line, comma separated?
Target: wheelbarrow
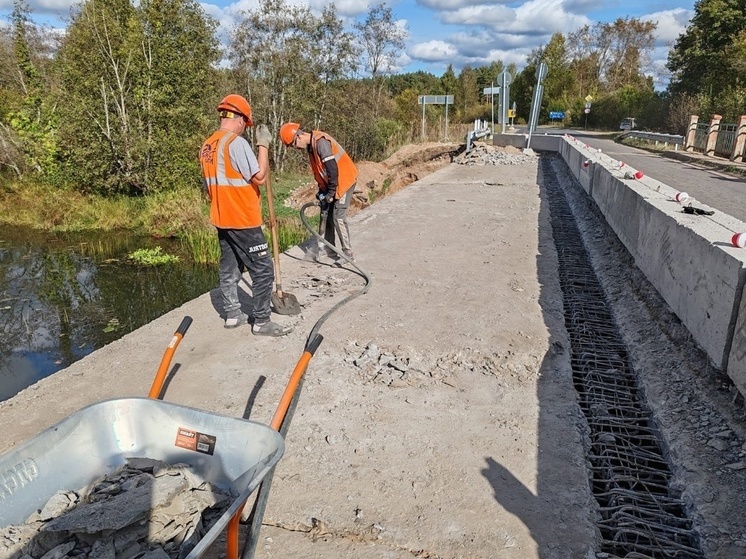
{"x": 233, "y": 453}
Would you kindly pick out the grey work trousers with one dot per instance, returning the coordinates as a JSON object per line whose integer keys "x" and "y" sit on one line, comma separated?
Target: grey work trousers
{"x": 246, "y": 249}
{"x": 337, "y": 223}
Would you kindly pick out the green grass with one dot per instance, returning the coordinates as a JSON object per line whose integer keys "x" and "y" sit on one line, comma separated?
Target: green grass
{"x": 182, "y": 214}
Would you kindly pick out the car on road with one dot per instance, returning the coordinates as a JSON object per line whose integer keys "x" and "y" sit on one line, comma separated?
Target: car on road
{"x": 627, "y": 124}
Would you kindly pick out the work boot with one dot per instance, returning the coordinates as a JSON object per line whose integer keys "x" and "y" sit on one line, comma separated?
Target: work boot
{"x": 342, "y": 261}
{"x": 269, "y": 328}
{"x": 235, "y": 320}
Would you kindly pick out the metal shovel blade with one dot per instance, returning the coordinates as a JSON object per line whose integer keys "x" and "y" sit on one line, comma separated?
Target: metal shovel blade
{"x": 285, "y": 303}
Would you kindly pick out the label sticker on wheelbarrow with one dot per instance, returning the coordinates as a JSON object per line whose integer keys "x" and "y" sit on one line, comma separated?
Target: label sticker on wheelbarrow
{"x": 192, "y": 440}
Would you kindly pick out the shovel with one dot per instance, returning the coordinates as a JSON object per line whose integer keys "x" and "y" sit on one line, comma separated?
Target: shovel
{"x": 283, "y": 303}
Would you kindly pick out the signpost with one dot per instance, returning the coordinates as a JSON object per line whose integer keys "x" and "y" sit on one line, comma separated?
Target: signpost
{"x": 491, "y": 91}
{"x": 587, "y": 110}
{"x": 504, "y": 79}
{"x": 434, "y": 100}
{"x": 556, "y": 115}
{"x": 541, "y": 73}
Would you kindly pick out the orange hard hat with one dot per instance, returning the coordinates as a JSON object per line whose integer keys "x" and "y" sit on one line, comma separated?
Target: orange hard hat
{"x": 236, "y": 104}
{"x": 288, "y": 132}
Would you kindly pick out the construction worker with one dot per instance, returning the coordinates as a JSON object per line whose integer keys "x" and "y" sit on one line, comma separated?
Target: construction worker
{"x": 335, "y": 175}
{"x": 232, "y": 176}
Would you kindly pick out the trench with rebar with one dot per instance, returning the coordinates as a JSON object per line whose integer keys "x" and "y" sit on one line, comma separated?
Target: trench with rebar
{"x": 639, "y": 515}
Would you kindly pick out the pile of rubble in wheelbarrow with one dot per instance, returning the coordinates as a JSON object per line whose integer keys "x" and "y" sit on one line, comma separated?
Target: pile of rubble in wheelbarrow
{"x": 146, "y": 509}
{"x": 484, "y": 154}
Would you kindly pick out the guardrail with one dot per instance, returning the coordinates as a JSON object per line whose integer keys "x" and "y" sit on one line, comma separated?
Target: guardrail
{"x": 475, "y": 135}
{"x": 666, "y": 139}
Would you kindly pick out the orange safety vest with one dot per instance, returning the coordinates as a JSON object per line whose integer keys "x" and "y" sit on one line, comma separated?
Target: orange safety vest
{"x": 347, "y": 170}
{"x": 234, "y": 201}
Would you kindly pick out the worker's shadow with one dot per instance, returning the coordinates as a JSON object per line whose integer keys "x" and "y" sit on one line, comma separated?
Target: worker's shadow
{"x": 552, "y": 499}
{"x": 531, "y": 509}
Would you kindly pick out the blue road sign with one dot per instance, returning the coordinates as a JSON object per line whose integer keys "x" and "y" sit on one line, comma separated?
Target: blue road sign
{"x": 556, "y": 115}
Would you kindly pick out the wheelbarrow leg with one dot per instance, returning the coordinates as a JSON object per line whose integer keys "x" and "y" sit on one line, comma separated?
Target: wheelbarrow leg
{"x": 257, "y": 512}
{"x": 280, "y": 421}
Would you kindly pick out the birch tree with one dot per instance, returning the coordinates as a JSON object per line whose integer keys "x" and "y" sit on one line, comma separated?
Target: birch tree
{"x": 136, "y": 85}
{"x": 286, "y": 60}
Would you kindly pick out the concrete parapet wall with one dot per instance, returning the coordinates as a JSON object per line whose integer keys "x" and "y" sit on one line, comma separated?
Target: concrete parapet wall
{"x": 515, "y": 140}
{"x": 737, "y": 359}
{"x": 688, "y": 258}
{"x": 545, "y": 142}
{"x": 581, "y": 164}
{"x": 539, "y": 142}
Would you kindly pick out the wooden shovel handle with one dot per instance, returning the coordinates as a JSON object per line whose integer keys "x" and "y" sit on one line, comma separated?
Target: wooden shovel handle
{"x": 273, "y": 233}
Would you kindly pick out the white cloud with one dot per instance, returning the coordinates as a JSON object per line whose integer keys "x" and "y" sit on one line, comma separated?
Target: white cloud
{"x": 491, "y": 16}
{"x": 59, "y": 7}
{"x": 439, "y": 5}
{"x": 536, "y": 17}
{"x": 671, "y": 24}
{"x": 581, "y": 6}
{"x": 349, "y": 8}
{"x": 433, "y": 51}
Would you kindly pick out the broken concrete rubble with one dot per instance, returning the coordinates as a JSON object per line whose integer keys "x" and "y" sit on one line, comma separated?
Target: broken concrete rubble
{"x": 144, "y": 509}
{"x": 483, "y": 154}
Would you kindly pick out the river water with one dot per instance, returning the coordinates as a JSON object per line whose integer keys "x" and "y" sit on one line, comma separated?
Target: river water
{"x": 64, "y": 296}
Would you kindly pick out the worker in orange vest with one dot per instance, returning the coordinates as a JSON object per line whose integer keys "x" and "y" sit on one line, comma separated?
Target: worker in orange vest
{"x": 232, "y": 175}
{"x": 336, "y": 176}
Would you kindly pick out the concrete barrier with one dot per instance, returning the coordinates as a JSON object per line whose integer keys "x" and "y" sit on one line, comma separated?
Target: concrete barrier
{"x": 545, "y": 142}
{"x": 688, "y": 258}
{"x": 736, "y": 368}
{"x": 539, "y": 142}
{"x": 515, "y": 140}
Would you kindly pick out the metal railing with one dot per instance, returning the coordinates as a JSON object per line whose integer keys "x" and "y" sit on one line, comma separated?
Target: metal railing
{"x": 726, "y": 138}
{"x": 666, "y": 139}
{"x": 700, "y": 136}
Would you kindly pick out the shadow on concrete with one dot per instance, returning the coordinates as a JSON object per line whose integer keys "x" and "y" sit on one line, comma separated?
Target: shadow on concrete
{"x": 562, "y": 508}
{"x": 246, "y": 300}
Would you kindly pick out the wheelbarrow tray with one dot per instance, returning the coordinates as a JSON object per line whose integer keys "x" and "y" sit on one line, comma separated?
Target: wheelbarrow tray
{"x": 231, "y": 452}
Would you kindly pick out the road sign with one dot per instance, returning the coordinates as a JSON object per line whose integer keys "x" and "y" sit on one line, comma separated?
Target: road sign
{"x": 435, "y": 100}
{"x": 587, "y": 105}
{"x": 504, "y": 78}
{"x": 559, "y": 115}
{"x": 491, "y": 91}
{"x": 587, "y": 110}
{"x": 511, "y": 113}
{"x": 588, "y": 98}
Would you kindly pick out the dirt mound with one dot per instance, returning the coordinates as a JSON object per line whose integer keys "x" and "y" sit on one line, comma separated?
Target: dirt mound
{"x": 377, "y": 180}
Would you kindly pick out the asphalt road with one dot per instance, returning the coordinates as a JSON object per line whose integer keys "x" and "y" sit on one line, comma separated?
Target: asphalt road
{"x": 717, "y": 189}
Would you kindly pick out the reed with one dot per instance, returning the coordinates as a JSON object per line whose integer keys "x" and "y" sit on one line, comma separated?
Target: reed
{"x": 202, "y": 245}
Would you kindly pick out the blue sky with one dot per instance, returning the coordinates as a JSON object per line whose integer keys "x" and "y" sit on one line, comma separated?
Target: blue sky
{"x": 463, "y": 32}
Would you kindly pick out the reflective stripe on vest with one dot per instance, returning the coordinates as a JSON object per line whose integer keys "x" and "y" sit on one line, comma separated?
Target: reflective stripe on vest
{"x": 347, "y": 171}
{"x": 234, "y": 202}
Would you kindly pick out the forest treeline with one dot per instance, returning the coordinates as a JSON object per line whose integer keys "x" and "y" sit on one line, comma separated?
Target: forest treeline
{"x": 120, "y": 102}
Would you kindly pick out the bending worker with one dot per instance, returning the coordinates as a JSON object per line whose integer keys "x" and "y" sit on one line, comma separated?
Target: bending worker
{"x": 335, "y": 175}
{"x": 232, "y": 176}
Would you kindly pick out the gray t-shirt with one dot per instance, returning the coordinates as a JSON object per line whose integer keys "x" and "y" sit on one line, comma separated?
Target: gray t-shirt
{"x": 243, "y": 158}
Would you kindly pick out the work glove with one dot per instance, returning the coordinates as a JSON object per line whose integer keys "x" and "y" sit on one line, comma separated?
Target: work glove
{"x": 697, "y": 211}
{"x": 322, "y": 196}
{"x": 263, "y": 136}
